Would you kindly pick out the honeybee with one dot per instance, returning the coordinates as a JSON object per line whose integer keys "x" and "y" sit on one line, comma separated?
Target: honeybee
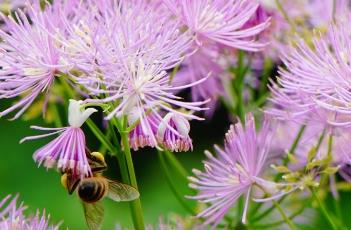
{"x": 93, "y": 189}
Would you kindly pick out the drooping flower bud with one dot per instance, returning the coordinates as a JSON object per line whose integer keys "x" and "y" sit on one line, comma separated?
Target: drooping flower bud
{"x": 173, "y": 133}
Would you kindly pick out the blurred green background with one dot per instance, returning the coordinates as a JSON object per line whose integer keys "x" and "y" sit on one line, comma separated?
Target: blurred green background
{"x": 41, "y": 189}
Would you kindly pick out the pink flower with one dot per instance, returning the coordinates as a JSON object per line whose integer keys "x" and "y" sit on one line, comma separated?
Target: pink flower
{"x": 218, "y": 26}
{"x": 220, "y": 21}
{"x": 140, "y": 138}
{"x": 315, "y": 85}
{"x": 31, "y": 57}
{"x": 12, "y": 217}
{"x": 131, "y": 64}
{"x": 173, "y": 133}
{"x": 234, "y": 171}
{"x": 66, "y": 152}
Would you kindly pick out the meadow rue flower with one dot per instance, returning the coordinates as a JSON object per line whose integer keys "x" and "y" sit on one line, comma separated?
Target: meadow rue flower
{"x": 138, "y": 137}
{"x": 133, "y": 64}
{"x": 12, "y": 217}
{"x": 218, "y": 26}
{"x": 314, "y": 86}
{"x": 30, "y": 58}
{"x": 220, "y": 21}
{"x": 66, "y": 152}
{"x": 173, "y": 133}
{"x": 234, "y": 171}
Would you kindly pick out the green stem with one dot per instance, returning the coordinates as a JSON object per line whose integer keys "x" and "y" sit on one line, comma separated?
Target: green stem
{"x": 268, "y": 64}
{"x": 297, "y": 139}
{"x": 277, "y": 223}
{"x": 266, "y": 212}
{"x": 240, "y": 73}
{"x": 176, "y": 164}
{"x": 276, "y": 204}
{"x": 337, "y": 208}
{"x": 58, "y": 122}
{"x": 120, "y": 156}
{"x": 172, "y": 186}
{"x": 334, "y": 10}
{"x": 285, "y": 217}
{"x": 70, "y": 92}
{"x": 110, "y": 147}
{"x": 99, "y": 135}
{"x": 227, "y": 104}
{"x": 174, "y": 72}
{"x": 295, "y": 143}
{"x": 137, "y": 212}
{"x": 320, "y": 140}
{"x": 324, "y": 210}
{"x": 285, "y": 15}
{"x": 330, "y": 145}
{"x": 260, "y": 101}
{"x": 240, "y": 208}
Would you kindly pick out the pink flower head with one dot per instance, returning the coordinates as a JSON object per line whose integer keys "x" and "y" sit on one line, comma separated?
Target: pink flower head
{"x": 140, "y": 138}
{"x": 173, "y": 133}
{"x": 30, "y": 58}
{"x": 133, "y": 64}
{"x": 234, "y": 171}
{"x": 220, "y": 21}
{"x": 315, "y": 85}
{"x": 66, "y": 152}
{"x": 12, "y": 217}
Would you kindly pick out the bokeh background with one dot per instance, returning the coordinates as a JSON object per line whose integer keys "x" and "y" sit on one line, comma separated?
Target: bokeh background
{"x": 41, "y": 189}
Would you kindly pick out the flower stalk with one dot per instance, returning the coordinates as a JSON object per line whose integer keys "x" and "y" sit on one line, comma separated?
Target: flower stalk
{"x": 171, "y": 184}
{"x": 324, "y": 210}
{"x": 137, "y": 213}
{"x": 285, "y": 217}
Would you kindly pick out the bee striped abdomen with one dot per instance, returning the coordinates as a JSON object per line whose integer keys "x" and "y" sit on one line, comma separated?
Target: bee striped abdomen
{"x": 92, "y": 190}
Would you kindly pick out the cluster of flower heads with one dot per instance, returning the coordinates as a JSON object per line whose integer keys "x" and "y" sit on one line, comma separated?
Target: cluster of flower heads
{"x": 310, "y": 98}
{"x": 121, "y": 54}
{"x": 220, "y": 29}
{"x": 12, "y": 217}
{"x": 134, "y": 57}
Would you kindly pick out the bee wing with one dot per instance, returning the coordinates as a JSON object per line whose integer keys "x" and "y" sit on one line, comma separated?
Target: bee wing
{"x": 94, "y": 214}
{"x": 121, "y": 192}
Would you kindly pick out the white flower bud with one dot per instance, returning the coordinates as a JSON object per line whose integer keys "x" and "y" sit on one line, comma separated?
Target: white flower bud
{"x": 77, "y": 116}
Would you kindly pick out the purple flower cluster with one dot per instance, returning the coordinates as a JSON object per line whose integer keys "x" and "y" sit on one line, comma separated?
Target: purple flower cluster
{"x": 313, "y": 88}
{"x": 12, "y": 217}
{"x": 135, "y": 59}
{"x": 220, "y": 28}
{"x": 235, "y": 170}
{"x": 122, "y": 53}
